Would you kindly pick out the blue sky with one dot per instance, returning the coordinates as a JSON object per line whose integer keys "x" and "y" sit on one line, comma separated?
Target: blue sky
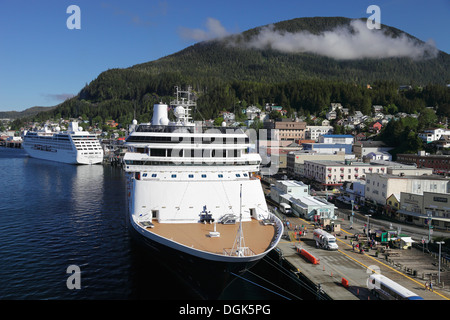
{"x": 42, "y": 62}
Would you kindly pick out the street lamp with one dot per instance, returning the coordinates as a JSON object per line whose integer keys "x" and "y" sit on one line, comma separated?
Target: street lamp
{"x": 351, "y": 218}
{"x": 368, "y": 223}
{"x": 429, "y": 226}
{"x": 439, "y": 271}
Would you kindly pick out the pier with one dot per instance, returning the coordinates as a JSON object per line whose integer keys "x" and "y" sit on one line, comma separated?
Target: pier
{"x": 11, "y": 143}
{"x": 343, "y": 274}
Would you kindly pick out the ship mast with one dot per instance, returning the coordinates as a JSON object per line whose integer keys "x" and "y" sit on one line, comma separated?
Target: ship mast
{"x": 239, "y": 243}
{"x": 184, "y": 100}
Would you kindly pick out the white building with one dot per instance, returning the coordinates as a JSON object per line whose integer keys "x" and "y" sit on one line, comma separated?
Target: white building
{"x": 282, "y": 190}
{"x": 335, "y": 173}
{"x": 430, "y": 135}
{"x": 314, "y": 132}
{"x": 379, "y": 156}
{"x": 336, "y": 138}
{"x": 296, "y": 160}
{"x": 380, "y": 186}
{"x": 296, "y": 194}
{"x": 252, "y": 112}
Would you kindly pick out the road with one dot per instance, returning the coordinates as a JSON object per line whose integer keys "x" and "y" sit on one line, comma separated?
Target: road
{"x": 355, "y": 267}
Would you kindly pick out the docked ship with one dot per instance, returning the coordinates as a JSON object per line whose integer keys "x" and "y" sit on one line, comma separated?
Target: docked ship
{"x": 73, "y": 146}
{"x": 194, "y": 199}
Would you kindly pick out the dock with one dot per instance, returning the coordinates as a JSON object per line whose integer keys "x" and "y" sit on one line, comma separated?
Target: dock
{"x": 343, "y": 274}
{"x": 11, "y": 143}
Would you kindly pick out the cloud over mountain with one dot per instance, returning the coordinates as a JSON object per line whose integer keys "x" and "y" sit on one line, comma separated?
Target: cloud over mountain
{"x": 350, "y": 42}
{"x": 356, "y": 41}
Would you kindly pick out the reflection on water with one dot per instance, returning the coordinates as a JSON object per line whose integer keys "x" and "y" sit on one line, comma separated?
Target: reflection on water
{"x": 54, "y": 215}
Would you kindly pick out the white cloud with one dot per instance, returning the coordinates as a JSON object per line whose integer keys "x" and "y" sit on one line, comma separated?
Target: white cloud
{"x": 344, "y": 43}
{"x": 214, "y": 30}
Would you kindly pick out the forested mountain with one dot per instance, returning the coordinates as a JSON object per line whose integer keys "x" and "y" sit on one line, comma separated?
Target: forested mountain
{"x": 25, "y": 113}
{"x": 252, "y": 68}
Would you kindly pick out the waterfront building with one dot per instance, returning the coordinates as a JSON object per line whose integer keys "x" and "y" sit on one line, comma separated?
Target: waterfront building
{"x": 282, "y": 190}
{"x": 335, "y": 173}
{"x": 296, "y": 194}
{"x": 296, "y": 160}
{"x": 425, "y": 208}
{"x": 381, "y": 186}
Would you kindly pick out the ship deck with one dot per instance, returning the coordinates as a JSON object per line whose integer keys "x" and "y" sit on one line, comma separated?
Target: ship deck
{"x": 257, "y": 236}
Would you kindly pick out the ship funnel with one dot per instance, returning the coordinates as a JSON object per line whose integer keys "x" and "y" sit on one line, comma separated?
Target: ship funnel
{"x": 73, "y": 126}
{"x": 160, "y": 115}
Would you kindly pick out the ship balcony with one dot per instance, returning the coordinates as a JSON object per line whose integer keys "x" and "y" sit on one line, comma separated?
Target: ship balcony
{"x": 253, "y": 159}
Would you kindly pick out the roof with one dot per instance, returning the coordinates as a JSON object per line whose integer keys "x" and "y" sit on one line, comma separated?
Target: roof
{"x": 343, "y": 164}
{"x": 337, "y": 136}
{"x": 370, "y": 143}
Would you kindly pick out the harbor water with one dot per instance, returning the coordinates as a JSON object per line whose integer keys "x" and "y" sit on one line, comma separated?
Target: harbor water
{"x": 54, "y": 215}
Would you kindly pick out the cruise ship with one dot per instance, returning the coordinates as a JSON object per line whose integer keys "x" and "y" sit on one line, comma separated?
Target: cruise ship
{"x": 194, "y": 199}
{"x": 73, "y": 146}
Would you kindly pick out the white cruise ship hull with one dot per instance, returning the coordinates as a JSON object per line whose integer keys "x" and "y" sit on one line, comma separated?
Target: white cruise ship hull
{"x": 207, "y": 277}
{"x": 208, "y": 273}
{"x": 64, "y": 156}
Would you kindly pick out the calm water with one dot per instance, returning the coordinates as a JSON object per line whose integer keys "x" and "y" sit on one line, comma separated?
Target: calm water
{"x": 55, "y": 215}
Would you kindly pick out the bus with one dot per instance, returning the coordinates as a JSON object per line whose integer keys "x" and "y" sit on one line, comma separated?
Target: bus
{"x": 384, "y": 288}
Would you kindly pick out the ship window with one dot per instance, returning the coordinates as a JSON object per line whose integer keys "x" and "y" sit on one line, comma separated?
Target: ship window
{"x": 157, "y": 152}
{"x": 238, "y": 175}
{"x": 245, "y": 175}
{"x": 220, "y": 175}
{"x": 154, "y": 175}
{"x": 174, "y": 176}
{"x": 144, "y": 175}
{"x": 203, "y": 175}
{"x": 191, "y": 176}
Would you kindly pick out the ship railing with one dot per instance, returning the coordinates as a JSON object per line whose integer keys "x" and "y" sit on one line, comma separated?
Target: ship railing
{"x": 240, "y": 252}
{"x": 279, "y": 229}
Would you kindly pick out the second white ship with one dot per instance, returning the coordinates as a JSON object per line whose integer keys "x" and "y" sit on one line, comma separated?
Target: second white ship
{"x": 73, "y": 146}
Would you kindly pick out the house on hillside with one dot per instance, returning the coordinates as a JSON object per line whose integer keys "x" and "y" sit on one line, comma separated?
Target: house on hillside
{"x": 375, "y": 127}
